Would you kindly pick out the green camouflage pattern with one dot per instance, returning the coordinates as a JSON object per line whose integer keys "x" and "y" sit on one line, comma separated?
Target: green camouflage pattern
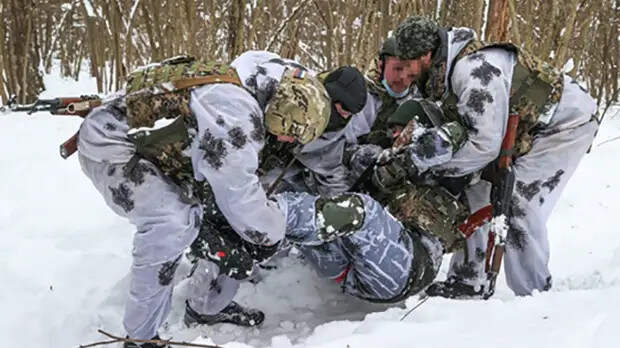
{"x": 339, "y": 216}
{"x": 151, "y": 93}
{"x": 300, "y": 108}
{"x": 435, "y": 86}
{"x": 433, "y": 210}
{"x": 529, "y": 107}
{"x": 150, "y": 96}
{"x": 167, "y": 148}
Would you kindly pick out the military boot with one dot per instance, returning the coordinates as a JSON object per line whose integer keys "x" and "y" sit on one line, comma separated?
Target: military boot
{"x": 234, "y": 313}
{"x": 455, "y": 288}
{"x": 144, "y": 345}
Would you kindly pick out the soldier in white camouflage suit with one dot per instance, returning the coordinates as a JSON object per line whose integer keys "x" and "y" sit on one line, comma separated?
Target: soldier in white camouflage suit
{"x": 472, "y": 82}
{"x": 203, "y": 179}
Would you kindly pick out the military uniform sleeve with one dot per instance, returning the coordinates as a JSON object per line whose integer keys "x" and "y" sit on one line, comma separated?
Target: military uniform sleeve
{"x": 482, "y": 84}
{"x": 324, "y": 156}
{"x": 225, "y": 153}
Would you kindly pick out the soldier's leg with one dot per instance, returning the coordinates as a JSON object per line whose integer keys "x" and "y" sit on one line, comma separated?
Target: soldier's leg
{"x": 378, "y": 252}
{"x": 166, "y": 224}
{"x": 208, "y": 291}
{"x": 467, "y": 265}
{"x": 541, "y": 176}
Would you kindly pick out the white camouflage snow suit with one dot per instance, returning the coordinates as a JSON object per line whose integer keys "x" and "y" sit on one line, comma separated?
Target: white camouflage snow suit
{"x": 481, "y": 81}
{"x": 225, "y": 153}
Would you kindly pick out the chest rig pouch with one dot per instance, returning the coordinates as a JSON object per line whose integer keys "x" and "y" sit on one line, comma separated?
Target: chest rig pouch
{"x": 535, "y": 88}
{"x": 431, "y": 209}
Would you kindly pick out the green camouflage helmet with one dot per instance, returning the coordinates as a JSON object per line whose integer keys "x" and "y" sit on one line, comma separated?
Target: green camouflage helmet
{"x": 300, "y": 108}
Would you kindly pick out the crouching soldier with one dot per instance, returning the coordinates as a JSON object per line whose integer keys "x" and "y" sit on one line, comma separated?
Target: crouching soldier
{"x": 479, "y": 85}
{"x": 177, "y": 153}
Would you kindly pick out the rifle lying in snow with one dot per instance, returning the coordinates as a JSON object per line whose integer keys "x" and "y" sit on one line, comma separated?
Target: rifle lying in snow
{"x": 73, "y": 106}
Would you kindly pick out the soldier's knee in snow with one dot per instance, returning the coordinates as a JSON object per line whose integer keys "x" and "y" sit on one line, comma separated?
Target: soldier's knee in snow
{"x": 339, "y": 216}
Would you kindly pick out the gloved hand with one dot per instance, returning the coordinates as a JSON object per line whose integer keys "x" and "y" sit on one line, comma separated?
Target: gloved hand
{"x": 395, "y": 172}
{"x": 261, "y": 253}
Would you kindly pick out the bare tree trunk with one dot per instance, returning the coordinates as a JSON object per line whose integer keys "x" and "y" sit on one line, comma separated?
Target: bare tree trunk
{"x": 155, "y": 10}
{"x": 514, "y": 23}
{"x": 477, "y": 17}
{"x": 497, "y": 27}
{"x": 4, "y": 90}
{"x": 568, "y": 34}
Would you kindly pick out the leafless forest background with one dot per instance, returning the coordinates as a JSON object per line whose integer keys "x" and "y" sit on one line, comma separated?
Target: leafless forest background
{"x": 112, "y": 37}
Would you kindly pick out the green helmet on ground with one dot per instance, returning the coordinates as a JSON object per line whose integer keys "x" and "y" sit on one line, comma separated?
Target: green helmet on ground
{"x": 300, "y": 107}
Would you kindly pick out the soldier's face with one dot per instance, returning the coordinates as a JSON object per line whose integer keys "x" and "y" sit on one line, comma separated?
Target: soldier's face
{"x": 398, "y": 73}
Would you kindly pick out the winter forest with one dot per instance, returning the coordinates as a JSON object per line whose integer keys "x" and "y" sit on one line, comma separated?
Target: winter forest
{"x": 112, "y": 37}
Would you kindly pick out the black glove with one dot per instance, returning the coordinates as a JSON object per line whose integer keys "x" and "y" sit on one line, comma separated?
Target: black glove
{"x": 394, "y": 173}
{"x": 261, "y": 253}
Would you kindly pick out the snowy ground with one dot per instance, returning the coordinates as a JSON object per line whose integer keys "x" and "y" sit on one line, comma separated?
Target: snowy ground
{"x": 64, "y": 258}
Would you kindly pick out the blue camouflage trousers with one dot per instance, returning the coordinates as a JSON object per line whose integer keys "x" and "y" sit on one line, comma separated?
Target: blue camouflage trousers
{"x": 376, "y": 260}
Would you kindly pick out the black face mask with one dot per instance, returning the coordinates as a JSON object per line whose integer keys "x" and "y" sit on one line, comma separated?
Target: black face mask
{"x": 336, "y": 121}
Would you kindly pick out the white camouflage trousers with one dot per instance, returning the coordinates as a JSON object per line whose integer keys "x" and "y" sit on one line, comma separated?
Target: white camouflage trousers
{"x": 541, "y": 176}
{"x": 166, "y": 224}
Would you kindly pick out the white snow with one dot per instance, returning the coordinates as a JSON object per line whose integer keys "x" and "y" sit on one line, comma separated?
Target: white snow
{"x": 65, "y": 256}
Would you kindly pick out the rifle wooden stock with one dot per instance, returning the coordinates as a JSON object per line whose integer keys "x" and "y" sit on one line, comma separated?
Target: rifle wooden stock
{"x": 69, "y": 147}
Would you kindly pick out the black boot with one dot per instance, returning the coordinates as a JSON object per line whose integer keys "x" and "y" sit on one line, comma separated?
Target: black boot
{"x": 455, "y": 288}
{"x": 144, "y": 345}
{"x": 233, "y": 314}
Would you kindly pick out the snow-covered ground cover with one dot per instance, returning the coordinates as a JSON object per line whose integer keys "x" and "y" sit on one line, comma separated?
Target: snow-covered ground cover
{"x": 64, "y": 258}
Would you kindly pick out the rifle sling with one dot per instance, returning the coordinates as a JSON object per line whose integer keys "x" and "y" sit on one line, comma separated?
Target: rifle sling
{"x": 203, "y": 80}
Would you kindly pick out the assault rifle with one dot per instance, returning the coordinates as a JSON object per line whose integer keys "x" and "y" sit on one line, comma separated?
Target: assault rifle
{"x": 502, "y": 177}
{"x": 73, "y": 106}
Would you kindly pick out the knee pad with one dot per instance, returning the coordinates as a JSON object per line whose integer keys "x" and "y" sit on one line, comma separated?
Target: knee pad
{"x": 339, "y": 216}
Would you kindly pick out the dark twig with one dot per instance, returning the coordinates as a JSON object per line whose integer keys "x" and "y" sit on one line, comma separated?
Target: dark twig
{"x": 116, "y": 339}
{"x": 414, "y": 308}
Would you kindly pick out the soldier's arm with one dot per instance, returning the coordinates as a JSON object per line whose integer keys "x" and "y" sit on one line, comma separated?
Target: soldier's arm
{"x": 482, "y": 84}
{"x": 226, "y": 154}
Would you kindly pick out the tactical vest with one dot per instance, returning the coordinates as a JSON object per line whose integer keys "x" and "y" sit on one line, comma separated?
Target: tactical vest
{"x": 535, "y": 88}
{"x": 161, "y": 93}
